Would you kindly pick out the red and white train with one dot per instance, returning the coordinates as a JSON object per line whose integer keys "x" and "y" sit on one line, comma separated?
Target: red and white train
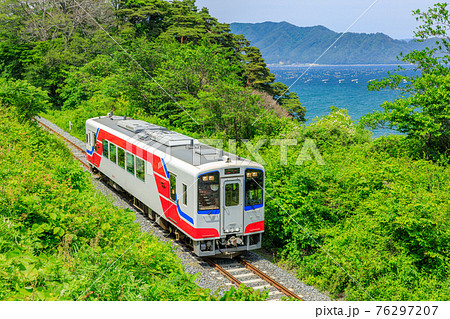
{"x": 211, "y": 199}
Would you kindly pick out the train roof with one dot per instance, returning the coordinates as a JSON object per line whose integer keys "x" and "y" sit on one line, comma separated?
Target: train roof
{"x": 179, "y": 146}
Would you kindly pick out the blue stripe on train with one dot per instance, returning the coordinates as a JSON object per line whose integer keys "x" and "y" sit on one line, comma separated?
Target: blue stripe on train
{"x": 184, "y": 215}
{"x": 209, "y": 212}
{"x": 250, "y": 207}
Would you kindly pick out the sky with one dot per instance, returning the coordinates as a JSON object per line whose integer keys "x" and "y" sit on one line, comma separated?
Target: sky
{"x": 392, "y": 17}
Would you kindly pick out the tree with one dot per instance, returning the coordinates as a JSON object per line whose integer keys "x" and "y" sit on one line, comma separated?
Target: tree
{"x": 230, "y": 108}
{"x": 259, "y": 77}
{"x": 185, "y": 24}
{"x": 256, "y": 71}
{"x": 51, "y": 19}
{"x": 145, "y": 17}
{"x": 41, "y": 40}
{"x": 23, "y": 99}
{"x": 423, "y": 109}
{"x": 288, "y": 100}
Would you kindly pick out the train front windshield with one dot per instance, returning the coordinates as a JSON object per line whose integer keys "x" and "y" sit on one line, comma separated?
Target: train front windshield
{"x": 254, "y": 182}
{"x": 208, "y": 191}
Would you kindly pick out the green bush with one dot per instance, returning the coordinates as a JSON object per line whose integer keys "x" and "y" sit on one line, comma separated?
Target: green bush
{"x": 23, "y": 99}
{"x": 383, "y": 219}
{"x": 337, "y": 128}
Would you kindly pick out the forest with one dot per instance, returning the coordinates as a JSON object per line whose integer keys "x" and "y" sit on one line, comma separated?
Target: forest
{"x": 370, "y": 221}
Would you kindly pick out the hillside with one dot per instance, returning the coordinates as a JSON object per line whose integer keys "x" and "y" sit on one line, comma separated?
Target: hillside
{"x": 288, "y": 44}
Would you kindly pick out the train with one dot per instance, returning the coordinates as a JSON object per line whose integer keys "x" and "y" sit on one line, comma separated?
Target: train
{"x": 210, "y": 199}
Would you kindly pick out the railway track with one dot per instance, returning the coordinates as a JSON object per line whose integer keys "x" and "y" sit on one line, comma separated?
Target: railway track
{"x": 237, "y": 270}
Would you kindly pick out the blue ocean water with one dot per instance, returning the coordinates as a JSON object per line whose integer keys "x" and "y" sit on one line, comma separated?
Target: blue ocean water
{"x": 344, "y": 86}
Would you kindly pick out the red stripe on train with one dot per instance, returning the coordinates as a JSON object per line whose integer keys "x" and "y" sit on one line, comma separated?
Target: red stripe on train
{"x": 162, "y": 185}
{"x": 155, "y": 161}
{"x": 254, "y": 227}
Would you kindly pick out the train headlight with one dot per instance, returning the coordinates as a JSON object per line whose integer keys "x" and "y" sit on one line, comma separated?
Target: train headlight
{"x": 211, "y": 177}
{"x": 249, "y": 175}
{"x": 254, "y": 174}
{"x": 205, "y": 178}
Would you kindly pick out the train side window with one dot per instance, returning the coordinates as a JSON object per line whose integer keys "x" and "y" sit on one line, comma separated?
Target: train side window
{"x": 130, "y": 163}
{"x": 113, "y": 153}
{"x": 173, "y": 186}
{"x": 140, "y": 169}
{"x": 121, "y": 157}
{"x": 184, "y": 194}
{"x": 105, "y": 148}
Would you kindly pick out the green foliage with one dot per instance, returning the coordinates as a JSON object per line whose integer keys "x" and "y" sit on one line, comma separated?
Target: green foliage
{"x": 435, "y": 25}
{"x": 232, "y": 110}
{"x": 41, "y": 41}
{"x": 185, "y": 24}
{"x": 82, "y": 84}
{"x": 153, "y": 55}
{"x": 288, "y": 100}
{"x": 336, "y": 129}
{"x": 242, "y": 293}
{"x": 12, "y": 56}
{"x": 256, "y": 72}
{"x": 423, "y": 116}
{"x": 185, "y": 73}
{"x": 422, "y": 112}
{"x": 380, "y": 219}
{"x": 141, "y": 17}
{"x": 195, "y": 87}
{"x": 23, "y": 99}
{"x": 397, "y": 146}
{"x": 178, "y": 20}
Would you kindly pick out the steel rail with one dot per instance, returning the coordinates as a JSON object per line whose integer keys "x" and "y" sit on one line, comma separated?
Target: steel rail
{"x": 229, "y": 276}
{"x": 263, "y": 276}
{"x": 254, "y": 270}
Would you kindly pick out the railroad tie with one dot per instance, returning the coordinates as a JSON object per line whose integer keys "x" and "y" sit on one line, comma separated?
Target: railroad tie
{"x": 250, "y": 281}
{"x": 261, "y": 287}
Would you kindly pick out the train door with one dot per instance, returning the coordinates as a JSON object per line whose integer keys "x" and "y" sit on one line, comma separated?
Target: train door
{"x": 232, "y": 206}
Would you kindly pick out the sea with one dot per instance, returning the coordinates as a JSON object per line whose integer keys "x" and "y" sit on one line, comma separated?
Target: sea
{"x": 345, "y": 86}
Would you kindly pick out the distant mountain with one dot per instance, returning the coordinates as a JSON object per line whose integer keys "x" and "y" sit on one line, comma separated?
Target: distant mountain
{"x": 288, "y": 44}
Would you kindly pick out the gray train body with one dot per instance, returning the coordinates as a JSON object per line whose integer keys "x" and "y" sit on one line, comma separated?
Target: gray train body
{"x": 211, "y": 199}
